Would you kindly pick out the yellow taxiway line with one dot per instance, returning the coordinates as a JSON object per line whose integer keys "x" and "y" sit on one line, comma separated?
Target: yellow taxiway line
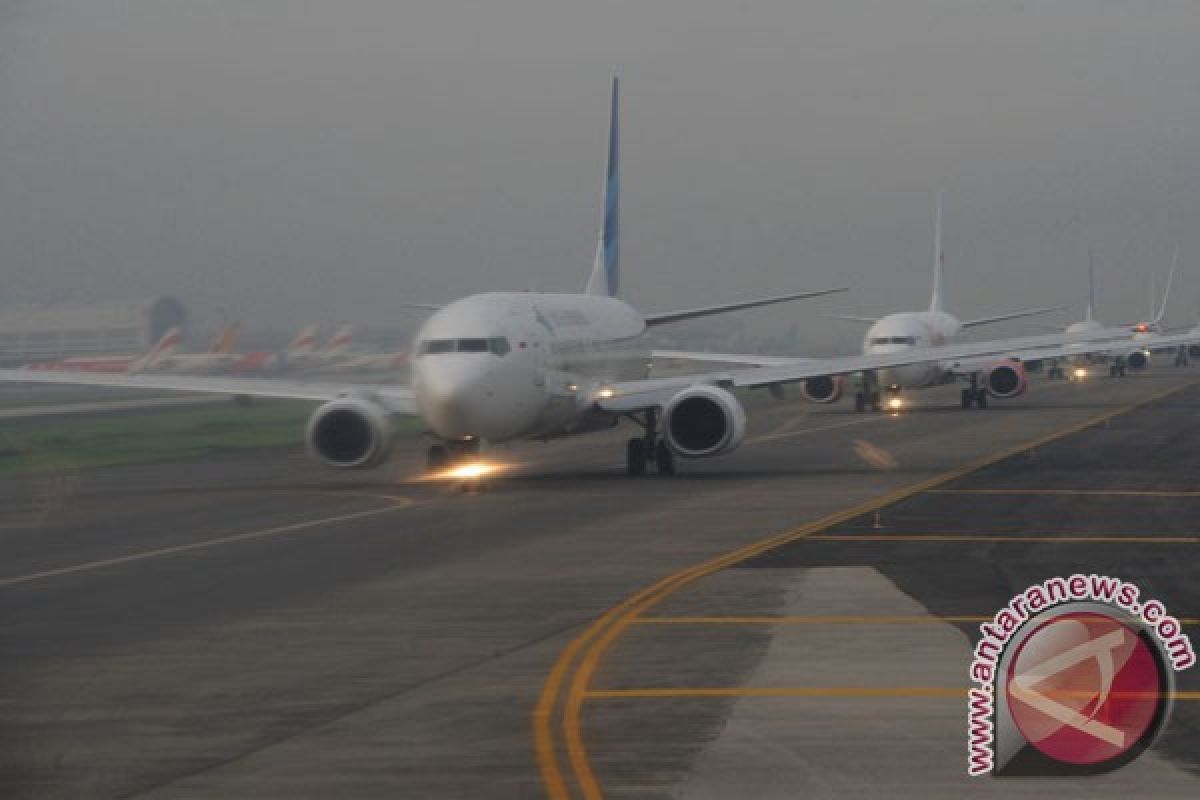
{"x": 589, "y": 646}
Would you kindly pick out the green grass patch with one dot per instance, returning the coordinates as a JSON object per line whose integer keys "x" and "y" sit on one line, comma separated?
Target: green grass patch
{"x": 63, "y": 443}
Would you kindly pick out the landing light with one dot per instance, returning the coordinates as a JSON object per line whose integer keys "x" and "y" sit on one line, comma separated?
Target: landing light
{"x": 472, "y": 470}
{"x": 895, "y": 403}
{"x": 1080, "y": 373}
{"x": 606, "y": 393}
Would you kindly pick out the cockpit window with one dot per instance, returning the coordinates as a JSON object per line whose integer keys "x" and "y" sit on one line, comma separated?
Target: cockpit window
{"x": 497, "y": 345}
{"x": 909, "y": 340}
{"x": 472, "y": 345}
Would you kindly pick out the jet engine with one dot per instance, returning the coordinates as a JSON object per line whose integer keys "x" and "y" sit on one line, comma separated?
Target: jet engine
{"x": 1137, "y": 359}
{"x": 704, "y": 421}
{"x": 350, "y": 433}
{"x": 825, "y": 389}
{"x": 1006, "y": 379}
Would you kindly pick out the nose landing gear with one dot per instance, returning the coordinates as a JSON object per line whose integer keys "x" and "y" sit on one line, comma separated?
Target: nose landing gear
{"x": 445, "y": 456}
{"x": 650, "y": 448}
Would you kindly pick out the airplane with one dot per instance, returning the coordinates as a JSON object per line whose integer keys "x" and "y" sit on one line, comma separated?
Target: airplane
{"x": 342, "y": 359}
{"x": 502, "y": 366}
{"x": 116, "y": 365}
{"x": 1148, "y": 335}
{"x": 905, "y": 331}
{"x": 897, "y": 332}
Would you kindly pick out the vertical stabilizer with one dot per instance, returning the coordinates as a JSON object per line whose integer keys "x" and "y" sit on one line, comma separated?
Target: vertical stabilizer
{"x": 1090, "y": 314}
{"x": 939, "y": 259}
{"x": 304, "y": 342}
{"x": 340, "y": 341}
{"x": 1162, "y": 309}
{"x": 606, "y": 271}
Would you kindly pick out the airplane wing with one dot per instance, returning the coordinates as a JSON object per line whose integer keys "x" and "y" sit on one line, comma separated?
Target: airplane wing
{"x": 725, "y": 358}
{"x": 705, "y": 311}
{"x": 637, "y": 395}
{"x": 1031, "y": 312}
{"x": 421, "y": 306}
{"x": 397, "y": 399}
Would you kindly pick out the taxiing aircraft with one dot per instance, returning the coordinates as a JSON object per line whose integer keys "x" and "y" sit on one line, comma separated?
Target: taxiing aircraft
{"x": 501, "y": 366}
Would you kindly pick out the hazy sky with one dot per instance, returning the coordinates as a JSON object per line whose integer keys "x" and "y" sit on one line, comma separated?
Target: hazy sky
{"x": 291, "y": 159}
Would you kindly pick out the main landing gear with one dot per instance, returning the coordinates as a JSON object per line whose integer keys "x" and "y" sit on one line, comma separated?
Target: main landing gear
{"x": 974, "y": 396}
{"x": 1117, "y": 369}
{"x": 649, "y": 448}
{"x": 1056, "y": 373}
{"x": 863, "y": 400}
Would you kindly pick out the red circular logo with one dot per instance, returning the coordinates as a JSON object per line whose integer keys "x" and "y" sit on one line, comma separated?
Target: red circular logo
{"x": 1084, "y": 688}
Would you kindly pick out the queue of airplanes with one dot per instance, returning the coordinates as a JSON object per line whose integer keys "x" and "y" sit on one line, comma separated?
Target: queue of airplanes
{"x": 502, "y": 366}
{"x": 303, "y": 355}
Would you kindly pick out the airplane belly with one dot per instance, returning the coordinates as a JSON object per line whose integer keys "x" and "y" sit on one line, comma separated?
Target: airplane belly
{"x": 910, "y": 376}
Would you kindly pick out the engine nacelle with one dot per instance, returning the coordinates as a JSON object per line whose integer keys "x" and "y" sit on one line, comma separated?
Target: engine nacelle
{"x": 704, "y": 421}
{"x": 1006, "y": 379}
{"x": 1137, "y": 359}
{"x": 350, "y": 433}
{"x": 825, "y": 389}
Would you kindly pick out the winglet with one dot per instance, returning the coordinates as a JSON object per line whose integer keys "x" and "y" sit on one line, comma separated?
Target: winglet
{"x": 606, "y": 270}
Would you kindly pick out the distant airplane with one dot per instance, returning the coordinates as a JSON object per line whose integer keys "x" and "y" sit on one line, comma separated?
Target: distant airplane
{"x": 501, "y": 366}
{"x": 902, "y": 331}
{"x": 117, "y": 364}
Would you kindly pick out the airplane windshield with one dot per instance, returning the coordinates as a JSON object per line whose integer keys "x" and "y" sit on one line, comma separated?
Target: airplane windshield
{"x": 496, "y": 345}
{"x": 910, "y": 340}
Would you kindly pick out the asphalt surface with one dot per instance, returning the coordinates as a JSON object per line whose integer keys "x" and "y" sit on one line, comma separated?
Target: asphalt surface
{"x": 254, "y": 626}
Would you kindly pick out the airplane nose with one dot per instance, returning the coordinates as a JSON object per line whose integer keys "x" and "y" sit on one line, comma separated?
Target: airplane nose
{"x": 451, "y": 397}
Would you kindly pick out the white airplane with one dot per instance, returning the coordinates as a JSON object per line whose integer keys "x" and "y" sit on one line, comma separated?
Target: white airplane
{"x": 501, "y": 366}
{"x": 896, "y": 333}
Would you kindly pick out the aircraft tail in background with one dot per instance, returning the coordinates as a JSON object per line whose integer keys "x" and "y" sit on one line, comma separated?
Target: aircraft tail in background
{"x": 304, "y": 343}
{"x": 606, "y": 271}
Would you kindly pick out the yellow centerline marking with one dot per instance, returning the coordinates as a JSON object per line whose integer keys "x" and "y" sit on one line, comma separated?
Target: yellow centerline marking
{"x": 596, "y": 638}
{"x": 833, "y": 619}
{"x": 1071, "y": 492}
{"x": 771, "y": 437}
{"x": 806, "y": 691}
{"x": 1002, "y": 538}
{"x": 399, "y": 503}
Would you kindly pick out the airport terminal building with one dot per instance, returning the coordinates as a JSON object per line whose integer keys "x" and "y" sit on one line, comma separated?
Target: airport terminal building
{"x": 46, "y": 333}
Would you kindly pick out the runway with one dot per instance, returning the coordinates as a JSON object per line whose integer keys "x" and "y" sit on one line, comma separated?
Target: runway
{"x": 253, "y": 626}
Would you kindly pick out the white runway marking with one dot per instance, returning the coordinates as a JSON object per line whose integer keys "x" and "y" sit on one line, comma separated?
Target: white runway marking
{"x": 400, "y": 503}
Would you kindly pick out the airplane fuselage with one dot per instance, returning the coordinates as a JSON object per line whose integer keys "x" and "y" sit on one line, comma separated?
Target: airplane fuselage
{"x": 896, "y": 333}
{"x": 502, "y": 366}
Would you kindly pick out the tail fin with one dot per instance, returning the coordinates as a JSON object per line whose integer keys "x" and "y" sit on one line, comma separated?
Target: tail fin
{"x": 1089, "y": 315}
{"x": 1162, "y": 309}
{"x": 164, "y": 347}
{"x": 939, "y": 259}
{"x": 340, "y": 341}
{"x": 225, "y": 341}
{"x": 606, "y": 271}
{"x": 304, "y": 342}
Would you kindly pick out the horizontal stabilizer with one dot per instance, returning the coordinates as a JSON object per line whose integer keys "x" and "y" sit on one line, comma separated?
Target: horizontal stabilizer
{"x": 850, "y": 318}
{"x": 421, "y": 306}
{"x": 707, "y": 311}
{"x": 1032, "y": 312}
